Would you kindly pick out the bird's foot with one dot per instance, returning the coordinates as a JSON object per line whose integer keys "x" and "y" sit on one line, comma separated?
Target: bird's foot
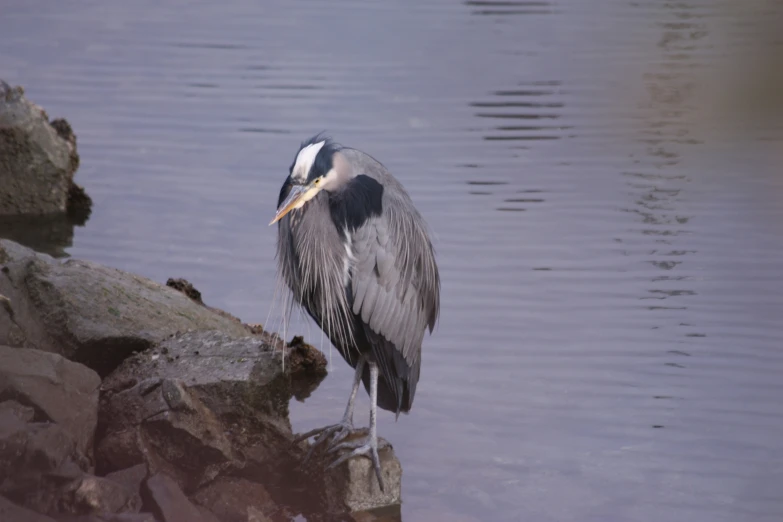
{"x": 366, "y": 446}
{"x": 335, "y": 432}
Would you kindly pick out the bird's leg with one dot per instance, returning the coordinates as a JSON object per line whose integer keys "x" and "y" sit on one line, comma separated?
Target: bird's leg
{"x": 367, "y": 446}
{"x": 342, "y": 429}
{"x": 357, "y": 380}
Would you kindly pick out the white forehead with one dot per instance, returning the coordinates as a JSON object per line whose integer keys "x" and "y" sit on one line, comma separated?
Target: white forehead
{"x": 305, "y": 159}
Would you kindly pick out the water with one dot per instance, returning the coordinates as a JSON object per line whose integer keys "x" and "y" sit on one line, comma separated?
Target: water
{"x": 610, "y": 343}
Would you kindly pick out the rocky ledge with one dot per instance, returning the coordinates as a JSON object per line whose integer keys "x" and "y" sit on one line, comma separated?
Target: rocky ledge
{"x": 122, "y": 399}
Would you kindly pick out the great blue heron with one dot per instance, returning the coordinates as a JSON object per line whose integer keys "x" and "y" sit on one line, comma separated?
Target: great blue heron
{"x": 356, "y": 254}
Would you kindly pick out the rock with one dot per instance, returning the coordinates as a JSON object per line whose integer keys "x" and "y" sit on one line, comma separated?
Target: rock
{"x": 6, "y": 304}
{"x": 28, "y": 450}
{"x": 36, "y": 460}
{"x": 234, "y": 499}
{"x": 227, "y": 372}
{"x": 41, "y": 468}
{"x": 100, "y": 495}
{"x": 353, "y": 486}
{"x": 58, "y": 390}
{"x": 10, "y": 512}
{"x": 39, "y": 158}
{"x": 90, "y": 313}
{"x": 127, "y": 517}
{"x": 130, "y": 478}
{"x": 120, "y": 448}
{"x": 166, "y": 500}
{"x": 172, "y": 431}
{"x": 71, "y": 492}
{"x": 207, "y": 515}
{"x": 23, "y": 413}
{"x": 109, "y": 517}
{"x": 197, "y": 404}
{"x": 191, "y": 396}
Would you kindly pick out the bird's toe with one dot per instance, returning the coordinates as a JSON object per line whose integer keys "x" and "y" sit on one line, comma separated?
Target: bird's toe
{"x": 366, "y": 447}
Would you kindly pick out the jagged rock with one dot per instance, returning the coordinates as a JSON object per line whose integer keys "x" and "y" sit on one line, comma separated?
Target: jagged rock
{"x": 11, "y": 512}
{"x": 172, "y": 430}
{"x": 58, "y": 390}
{"x": 166, "y": 500}
{"x": 38, "y": 159}
{"x": 28, "y": 450}
{"x": 36, "y": 460}
{"x": 90, "y": 313}
{"x": 197, "y": 404}
{"x": 234, "y": 499}
{"x": 42, "y": 469}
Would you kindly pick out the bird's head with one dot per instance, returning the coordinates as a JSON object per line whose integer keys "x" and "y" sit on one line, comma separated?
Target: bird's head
{"x": 317, "y": 166}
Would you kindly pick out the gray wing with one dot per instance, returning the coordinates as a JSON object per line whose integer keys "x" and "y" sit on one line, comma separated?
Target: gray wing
{"x": 395, "y": 283}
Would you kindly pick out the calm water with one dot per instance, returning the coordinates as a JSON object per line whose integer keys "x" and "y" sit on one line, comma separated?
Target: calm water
{"x": 610, "y": 346}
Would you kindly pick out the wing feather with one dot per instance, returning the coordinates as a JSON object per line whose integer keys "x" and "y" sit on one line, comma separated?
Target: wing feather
{"x": 394, "y": 279}
{"x": 395, "y": 295}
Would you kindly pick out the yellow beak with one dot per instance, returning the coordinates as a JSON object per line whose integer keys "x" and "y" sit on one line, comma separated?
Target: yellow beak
{"x": 299, "y": 195}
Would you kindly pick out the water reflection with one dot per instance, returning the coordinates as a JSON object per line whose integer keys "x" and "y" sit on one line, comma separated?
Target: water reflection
{"x": 51, "y": 234}
{"x": 509, "y": 7}
{"x": 540, "y": 99}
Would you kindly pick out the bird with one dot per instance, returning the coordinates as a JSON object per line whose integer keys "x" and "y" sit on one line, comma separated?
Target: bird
{"x": 357, "y": 256}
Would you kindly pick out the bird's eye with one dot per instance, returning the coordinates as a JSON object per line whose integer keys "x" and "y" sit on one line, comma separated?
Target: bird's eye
{"x": 317, "y": 181}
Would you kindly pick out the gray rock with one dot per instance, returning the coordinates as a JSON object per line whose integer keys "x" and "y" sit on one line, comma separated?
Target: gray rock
{"x": 227, "y": 373}
{"x": 42, "y": 469}
{"x": 38, "y": 158}
{"x": 99, "y": 495}
{"x": 90, "y": 313}
{"x": 197, "y": 404}
{"x": 11, "y": 512}
{"x": 58, "y": 390}
{"x": 109, "y": 517}
{"x": 168, "y": 428}
{"x": 234, "y": 499}
{"x": 203, "y": 400}
{"x": 167, "y": 501}
{"x": 37, "y": 460}
{"x": 128, "y": 517}
{"x": 28, "y": 450}
{"x": 131, "y": 478}
{"x": 23, "y": 413}
{"x": 353, "y": 486}
{"x": 207, "y": 515}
